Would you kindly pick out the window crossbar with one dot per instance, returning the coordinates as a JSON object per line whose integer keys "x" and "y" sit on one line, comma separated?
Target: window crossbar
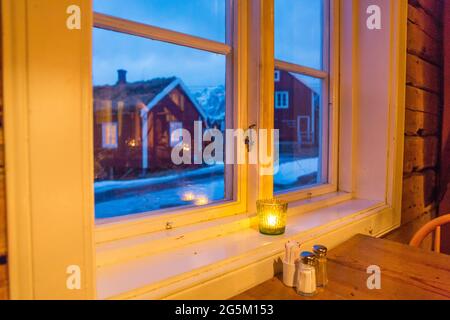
{"x": 107, "y": 22}
{"x": 291, "y": 67}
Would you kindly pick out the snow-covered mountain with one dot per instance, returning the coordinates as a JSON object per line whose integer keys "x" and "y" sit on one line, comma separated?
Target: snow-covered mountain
{"x": 212, "y": 100}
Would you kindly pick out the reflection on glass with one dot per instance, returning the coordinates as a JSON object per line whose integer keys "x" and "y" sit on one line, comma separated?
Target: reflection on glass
{"x": 298, "y": 116}
{"x": 143, "y": 92}
{"x": 202, "y": 18}
{"x": 299, "y": 32}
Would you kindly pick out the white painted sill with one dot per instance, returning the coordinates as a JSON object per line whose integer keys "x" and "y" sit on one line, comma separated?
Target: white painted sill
{"x": 168, "y": 269}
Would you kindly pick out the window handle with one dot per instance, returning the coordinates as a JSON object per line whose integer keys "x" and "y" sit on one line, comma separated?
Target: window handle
{"x": 249, "y": 141}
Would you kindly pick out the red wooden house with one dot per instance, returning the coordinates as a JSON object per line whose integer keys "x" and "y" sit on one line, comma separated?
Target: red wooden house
{"x": 134, "y": 123}
{"x": 297, "y": 110}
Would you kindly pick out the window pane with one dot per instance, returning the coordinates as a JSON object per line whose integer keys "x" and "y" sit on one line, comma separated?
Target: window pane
{"x": 299, "y": 32}
{"x": 159, "y": 89}
{"x": 300, "y": 121}
{"x": 203, "y": 18}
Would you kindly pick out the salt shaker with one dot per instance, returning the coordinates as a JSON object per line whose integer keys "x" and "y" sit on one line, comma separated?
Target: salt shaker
{"x": 290, "y": 258}
{"x": 321, "y": 269}
{"x": 306, "y": 275}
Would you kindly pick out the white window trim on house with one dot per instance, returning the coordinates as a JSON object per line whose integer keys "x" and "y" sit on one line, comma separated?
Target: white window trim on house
{"x": 366, "y": 202}
{"x": 175, "y": 125}
{"x": 282, "y": 100}
{"x": 307, "y": 131}
{"x": 277, "y": 75}
{"x": 110, "y": 132}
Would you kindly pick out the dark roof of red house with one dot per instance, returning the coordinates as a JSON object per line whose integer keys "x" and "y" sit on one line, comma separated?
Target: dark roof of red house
{"x": 142, "y": 93}
{"x": 131, "y": 94}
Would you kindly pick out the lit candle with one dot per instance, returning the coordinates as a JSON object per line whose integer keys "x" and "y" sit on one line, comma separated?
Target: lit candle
{"x": 272, "y": 220}
{"x": 272, "y": 216}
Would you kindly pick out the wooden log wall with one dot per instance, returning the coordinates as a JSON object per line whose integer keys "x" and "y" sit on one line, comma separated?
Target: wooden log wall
{"x": 444, "y": 192}
{"x": 424, "y": 96}
{"x": 423, "y": 127}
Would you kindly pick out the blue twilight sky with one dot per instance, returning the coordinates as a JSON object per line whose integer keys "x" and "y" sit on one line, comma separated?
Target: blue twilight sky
{"x": 298, "y": 28}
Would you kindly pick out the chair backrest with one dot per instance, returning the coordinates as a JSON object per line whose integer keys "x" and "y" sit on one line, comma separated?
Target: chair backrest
{"x": 434, "y": 225}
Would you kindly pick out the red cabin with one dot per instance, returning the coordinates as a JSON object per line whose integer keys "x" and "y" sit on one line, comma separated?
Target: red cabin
{"x": 134, "y": 123}
{"x": 297, "y": 110}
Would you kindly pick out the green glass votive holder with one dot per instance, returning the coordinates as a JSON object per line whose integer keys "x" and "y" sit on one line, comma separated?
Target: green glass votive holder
{"x": 272, "y": 216}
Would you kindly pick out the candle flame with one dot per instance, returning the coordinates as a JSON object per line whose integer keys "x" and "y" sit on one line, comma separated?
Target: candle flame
{"x": 272, "y": 220}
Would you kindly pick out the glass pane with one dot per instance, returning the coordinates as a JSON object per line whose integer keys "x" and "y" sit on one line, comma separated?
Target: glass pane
{"x": 299, "y": 32}
{"x": 202, "y": 18}
{"x": 144, "y": 93}
{"x": 299, "y": 117}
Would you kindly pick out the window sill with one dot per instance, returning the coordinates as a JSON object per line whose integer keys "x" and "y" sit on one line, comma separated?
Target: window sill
{"x": 194, "y": 267}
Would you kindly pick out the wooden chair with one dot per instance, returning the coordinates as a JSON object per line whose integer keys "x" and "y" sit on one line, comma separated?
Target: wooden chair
{"x": 434, "y": 225}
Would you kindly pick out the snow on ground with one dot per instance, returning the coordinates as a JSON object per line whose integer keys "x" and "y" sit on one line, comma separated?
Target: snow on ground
{"x": 205, "y": 185}
{"x": 290, "y": 172}
{"x": 114, "y": 185}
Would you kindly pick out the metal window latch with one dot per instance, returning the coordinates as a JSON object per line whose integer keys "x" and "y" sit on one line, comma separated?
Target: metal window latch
{"x": 249, "y": 141}
{"x": 169, "y": 225}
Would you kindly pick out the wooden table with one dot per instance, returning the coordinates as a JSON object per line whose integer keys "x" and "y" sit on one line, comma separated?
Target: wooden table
{"x": 406, "y": 273}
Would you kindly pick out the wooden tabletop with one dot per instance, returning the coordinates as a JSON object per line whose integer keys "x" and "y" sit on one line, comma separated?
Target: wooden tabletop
{"x": 407, "y": 273}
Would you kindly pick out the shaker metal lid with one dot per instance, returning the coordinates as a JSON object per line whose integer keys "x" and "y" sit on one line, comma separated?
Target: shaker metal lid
{"x": 308, "y": 258}
{"x": 320, "y": 250}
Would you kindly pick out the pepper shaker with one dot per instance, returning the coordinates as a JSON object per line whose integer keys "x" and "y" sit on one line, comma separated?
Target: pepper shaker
{"x": 306, "y": 275}
{"x": 321, "y": 269}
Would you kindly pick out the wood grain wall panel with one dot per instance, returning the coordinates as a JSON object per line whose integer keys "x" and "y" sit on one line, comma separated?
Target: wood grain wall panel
{"x": 423, "y": 75}
{"x": 421, "y": 44}
{"x": 420, "y": 153}
{"x": 421, "y": 123}
{"x": 444, "y": 206}
{"x": 421, "y": 100}
{"x": 423, "y": 117}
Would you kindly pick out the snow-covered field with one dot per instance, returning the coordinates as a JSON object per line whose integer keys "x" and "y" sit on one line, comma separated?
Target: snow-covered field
{"x": 119, "y": 198}
{"x": 289, "y": 172}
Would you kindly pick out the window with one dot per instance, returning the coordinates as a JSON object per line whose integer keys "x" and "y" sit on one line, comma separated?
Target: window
{"x": 369, "y": 165}
{"x": 277, "y": 75}
{"x": 175, "y": 138}
{"x": 109, "y": 134}
{"x": 160, "y": 71}
{"x": 158, "y": 74}
{"x": 282, "y": 100}
{"x": 301, "y": 53}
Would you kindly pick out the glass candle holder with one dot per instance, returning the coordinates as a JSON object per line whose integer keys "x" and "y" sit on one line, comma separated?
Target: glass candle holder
{"x": 272, "y": 215}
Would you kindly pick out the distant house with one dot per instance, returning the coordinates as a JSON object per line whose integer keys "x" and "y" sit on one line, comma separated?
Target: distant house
{"x": 134, "y": 124}
{"x": 297, "y": 110}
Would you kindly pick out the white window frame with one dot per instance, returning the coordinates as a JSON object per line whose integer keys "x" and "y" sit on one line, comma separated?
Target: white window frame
{"x": 281, "y": 96}
{"x": 173, "y": 126}
{"x": 308, "y": 126}
{"x": 330, "y": 106}
{"x": 107, "y": 129}
{"x": 277, "y": 75}
{"x": 235, "y": 176}
{"x": 245, "y": 199}
{"x": 41, "y": 245}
